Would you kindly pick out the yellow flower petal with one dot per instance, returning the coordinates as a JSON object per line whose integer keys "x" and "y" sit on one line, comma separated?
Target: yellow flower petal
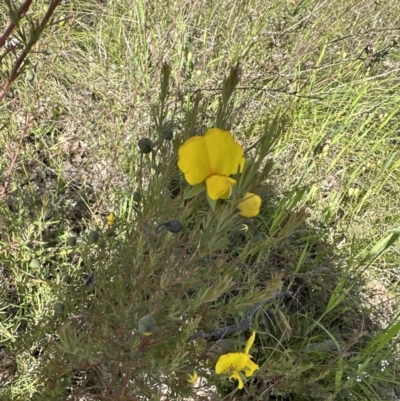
{"x": 230, "y": 362}
{"x": 250, "y": 342}
{"x": 219, "y": 186}
{"x": 215, "y": 153}
{"x": 111, "y": 219}
{"x": 250, "y": 206}
{"x": 194, "y": 161}
{"x": 236, "y": 375}
{"x": 235, "y": 362}
{"x": 193, "y": 377}
{"x": 226, "y": 156}
{"x": 250, "y": 368}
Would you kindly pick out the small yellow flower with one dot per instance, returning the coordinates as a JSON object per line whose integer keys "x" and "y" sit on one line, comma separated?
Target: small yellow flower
{"x": 236, "y": 362}
{"x": 111, "y": 219}
{"x": 212, "y": 158}
{"x": 250, "y": 206}
{"x": 193, "y": 377}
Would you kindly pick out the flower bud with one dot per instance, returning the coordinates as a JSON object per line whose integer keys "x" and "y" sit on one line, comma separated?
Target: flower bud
{"x": 145, "y": 145}
{"x": 111, "y": 219}
{"x": 71, "y": 241}
{"x": 147, "y": 325}
{"x": 93, "y": 236}
{"x": 173, "y": 226}
{"x": 137, "y": 197}
{"x": 192, "y": 378}
{"x": 167, "y": 133}
{"x": 240, "y": 229}
{"x": 59, "y": 308}
{"x": 35, "y": 264}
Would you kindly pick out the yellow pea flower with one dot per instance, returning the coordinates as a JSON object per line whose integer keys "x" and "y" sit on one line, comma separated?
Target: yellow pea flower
{"x": 192, "y": 378}
{"x": 212, "y": 158}
{"x": 250, "y": 205}
{"x": 236, "y": 362}
{"x": 111, "y": 219}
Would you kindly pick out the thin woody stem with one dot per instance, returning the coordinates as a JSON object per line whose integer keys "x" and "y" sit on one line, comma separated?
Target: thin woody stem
{"x": 22, "y": 10}
{"x": 26, "y": 51}
{"x": 244, "y": 324}
{"x": 14, "y": 73}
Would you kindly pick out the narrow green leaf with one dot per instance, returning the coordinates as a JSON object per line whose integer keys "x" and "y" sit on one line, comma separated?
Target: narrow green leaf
{"x": 211, "y": 202}
{"x": 386, "y": 242}
{"x": 195, "y": 190}
{"x": 383, "y": 338}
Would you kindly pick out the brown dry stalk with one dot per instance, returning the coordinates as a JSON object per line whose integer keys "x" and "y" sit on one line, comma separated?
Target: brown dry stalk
{"x": 22, "y": 10}
{"x": 14, "y": 73}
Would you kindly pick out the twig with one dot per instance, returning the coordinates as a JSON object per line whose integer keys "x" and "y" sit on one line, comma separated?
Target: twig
{"x": 22, "y": 10}
{"x": 259, "y": 89}
{"x": 254, "y": 145}
{"x": 14, "y": 73}
{"x": 244, "y": 324}
{"x": 33, "y": 40}
{"x": 353, "y": 340}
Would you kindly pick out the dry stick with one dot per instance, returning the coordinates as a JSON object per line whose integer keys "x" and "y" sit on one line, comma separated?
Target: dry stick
{"x": 13, "y": 76}
{"x": 22, "y": 10}
{"x": 28, "y": 48}
{"x": 244, "y": 324}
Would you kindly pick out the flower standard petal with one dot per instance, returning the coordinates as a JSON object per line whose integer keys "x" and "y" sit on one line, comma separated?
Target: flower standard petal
{"x": 219, "y": 186}
{"x": 250, "y": 206}
{"x": 225, "y": 155}
{"x": 250, "y": 342}
{"x": 194, "y": 161}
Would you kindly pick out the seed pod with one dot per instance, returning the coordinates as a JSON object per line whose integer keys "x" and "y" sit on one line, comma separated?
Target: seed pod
{"x": 111, "y": 219}
{"x": 137, "y": 197}
{"x": 167, "y": 133}
{"x": 71, "y": 241}
{"x": 35, "y": 264}
{"x": 173, "y": 226}
{"x": 147, "y": 325}
{"x": 93, "y": 236}
{"x": 30, "y": 76}
{"x": 145, "y": 145}
{"x": 59, "y": 308}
